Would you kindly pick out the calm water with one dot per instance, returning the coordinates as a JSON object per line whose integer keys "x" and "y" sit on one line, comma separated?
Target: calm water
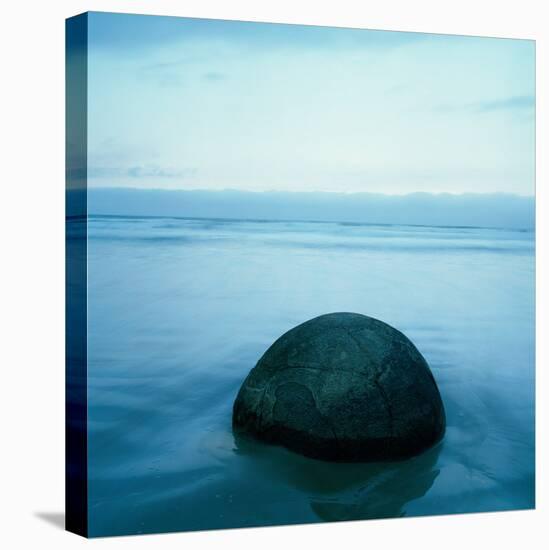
{"x": 181, "y": 310}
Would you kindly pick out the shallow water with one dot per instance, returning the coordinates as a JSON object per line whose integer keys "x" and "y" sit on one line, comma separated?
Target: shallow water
{"x": 180, "y": 310}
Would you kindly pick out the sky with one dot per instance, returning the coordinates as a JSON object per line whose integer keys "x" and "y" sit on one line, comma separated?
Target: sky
{"x": 178, "y": 103}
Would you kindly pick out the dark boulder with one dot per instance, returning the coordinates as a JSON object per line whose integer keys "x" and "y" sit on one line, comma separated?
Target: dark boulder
{"x": 342, "y": 387}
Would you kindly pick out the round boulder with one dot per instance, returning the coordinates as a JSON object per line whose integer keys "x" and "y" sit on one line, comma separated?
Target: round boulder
{"x": 343, "y": 387}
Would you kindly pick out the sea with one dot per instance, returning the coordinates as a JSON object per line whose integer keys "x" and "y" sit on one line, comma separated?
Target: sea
{"x": 180, "y": 310}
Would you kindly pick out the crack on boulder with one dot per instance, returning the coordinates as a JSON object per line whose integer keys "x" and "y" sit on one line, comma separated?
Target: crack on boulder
{"x": 375, "y": 378}
{"x": 386, "y": 401}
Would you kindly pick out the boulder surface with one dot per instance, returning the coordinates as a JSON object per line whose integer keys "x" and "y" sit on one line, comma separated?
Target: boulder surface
{"x": 342, "y": 387}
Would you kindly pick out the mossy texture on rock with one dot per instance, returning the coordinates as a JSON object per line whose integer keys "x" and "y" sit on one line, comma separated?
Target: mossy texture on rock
{"x": 342, "y": 387}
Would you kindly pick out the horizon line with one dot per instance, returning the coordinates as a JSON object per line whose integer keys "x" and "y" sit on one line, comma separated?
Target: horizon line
{"x": 289, "y": 220}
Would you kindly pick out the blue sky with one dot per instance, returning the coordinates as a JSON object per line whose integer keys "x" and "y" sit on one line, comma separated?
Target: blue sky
{"x": 179, "y": 103}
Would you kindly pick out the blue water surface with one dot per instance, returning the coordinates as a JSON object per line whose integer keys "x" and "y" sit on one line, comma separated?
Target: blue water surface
{"x": 181, "y": 309}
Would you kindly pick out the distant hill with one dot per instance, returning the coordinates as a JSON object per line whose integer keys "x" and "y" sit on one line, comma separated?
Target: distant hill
{"x": 483, "y": 210}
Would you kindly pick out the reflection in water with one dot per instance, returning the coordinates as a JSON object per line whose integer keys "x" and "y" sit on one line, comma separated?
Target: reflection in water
{"x": 339, "y": 491}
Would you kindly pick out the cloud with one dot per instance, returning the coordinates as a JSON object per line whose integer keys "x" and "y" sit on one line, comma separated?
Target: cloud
{"x": 512, "y": 103}
{"x": 139, "y": 171}
{"x": 174, "y": 73}
{"x": 479, "y": 210}
{"x": 214, "y": 76}
{"x": 515, "y": 102}
{"x": 174, "y": 65}
{"x": 166, "y": 73}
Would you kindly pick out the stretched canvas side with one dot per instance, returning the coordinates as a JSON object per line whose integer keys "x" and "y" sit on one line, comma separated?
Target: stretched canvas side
{"x": 76, "y": 443}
